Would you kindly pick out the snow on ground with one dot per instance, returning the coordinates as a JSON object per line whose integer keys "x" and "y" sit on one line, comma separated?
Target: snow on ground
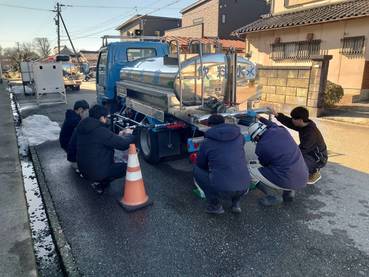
{"x": 37, "y": 129}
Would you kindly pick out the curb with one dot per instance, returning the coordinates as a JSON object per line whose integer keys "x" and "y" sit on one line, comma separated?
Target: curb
{"x": 62, "y": 246}
{"x": 356, "y": 122}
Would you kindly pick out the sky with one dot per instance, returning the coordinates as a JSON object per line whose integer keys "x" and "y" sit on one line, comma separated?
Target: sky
{"x": 85, "y": 24}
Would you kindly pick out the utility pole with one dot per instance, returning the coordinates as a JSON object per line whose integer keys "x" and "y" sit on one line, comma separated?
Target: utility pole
{"x": 58, "y": 24}
{"x": 57, "y": 21}
{"x": 70, "y": 40}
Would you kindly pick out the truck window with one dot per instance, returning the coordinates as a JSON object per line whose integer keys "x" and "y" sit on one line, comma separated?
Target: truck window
{"x": 102, "y": 68}
{"x": 139, "y": 53}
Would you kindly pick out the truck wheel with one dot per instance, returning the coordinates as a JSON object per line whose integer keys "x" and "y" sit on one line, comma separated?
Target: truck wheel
{"x": 149, "y": 145}
{"x": 78, "y": 87}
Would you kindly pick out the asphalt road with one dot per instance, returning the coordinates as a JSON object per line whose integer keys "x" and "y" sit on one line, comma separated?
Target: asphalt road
{"x": 323, "y": 233}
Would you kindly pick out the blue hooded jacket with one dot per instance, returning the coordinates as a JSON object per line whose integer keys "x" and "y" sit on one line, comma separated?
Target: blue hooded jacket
{"x": 281, "y": 158}
{"x": 222, "y": 154}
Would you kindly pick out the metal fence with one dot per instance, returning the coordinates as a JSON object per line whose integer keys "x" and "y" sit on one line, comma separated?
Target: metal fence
{"x": 297, "y": 50}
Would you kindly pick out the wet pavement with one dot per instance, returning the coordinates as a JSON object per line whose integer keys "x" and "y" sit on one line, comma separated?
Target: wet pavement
{"x": 323, "y": 233}
{"x": 175, "y": 237}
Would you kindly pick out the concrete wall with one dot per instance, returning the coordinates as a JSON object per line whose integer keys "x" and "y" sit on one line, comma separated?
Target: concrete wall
{"x": 281, "y": 6}
{"x": 209, "y": 13}
{"x": 343, "y": 70}
{"x": 287, "y": 87}
{"x": 195, "y": 31}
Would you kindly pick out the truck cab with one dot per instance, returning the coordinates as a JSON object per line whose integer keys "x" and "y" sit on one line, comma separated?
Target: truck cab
{"x": 113, "y": 57}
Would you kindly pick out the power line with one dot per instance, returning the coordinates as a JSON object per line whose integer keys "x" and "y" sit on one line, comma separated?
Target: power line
{"x": 90, "y": 28}
{"x": 109, "y": 28}
{"x": 25, "y": 8}
{"x": 108, "y": 7}
{"x": 147, "y": 7}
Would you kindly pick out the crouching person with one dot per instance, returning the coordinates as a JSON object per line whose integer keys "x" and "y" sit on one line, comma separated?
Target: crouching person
{"x": 221, "y": 168}
{"x": 312, "y": 145}
{"x": 282, "y": 168}
{"x": 95, "y": 145}
{"x": 72, "y": 118}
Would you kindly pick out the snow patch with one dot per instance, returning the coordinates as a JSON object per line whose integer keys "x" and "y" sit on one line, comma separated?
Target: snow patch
{"x": 36, "y": 129}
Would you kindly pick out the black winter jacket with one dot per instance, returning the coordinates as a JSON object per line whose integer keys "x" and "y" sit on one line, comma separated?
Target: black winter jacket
{"x": 70, "y": 123}
{"x": 95, "y": 145}
{"x": 223, "y": 155}
{"x": 311, "y": 140}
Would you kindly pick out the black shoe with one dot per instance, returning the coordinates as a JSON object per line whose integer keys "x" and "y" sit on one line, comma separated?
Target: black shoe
{"x": 236, "y": 207}
{"x": 98, "y": 187}
{"x": 212, "y": 209}
{"x": 288, "y": 195}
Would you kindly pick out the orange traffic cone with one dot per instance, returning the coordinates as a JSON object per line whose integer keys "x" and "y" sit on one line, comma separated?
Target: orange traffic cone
{"x": 134, "y": 196}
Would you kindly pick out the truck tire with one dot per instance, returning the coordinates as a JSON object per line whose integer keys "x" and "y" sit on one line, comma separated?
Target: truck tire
{"x": 149, "y": 145}
{"x": 78, "y": 87}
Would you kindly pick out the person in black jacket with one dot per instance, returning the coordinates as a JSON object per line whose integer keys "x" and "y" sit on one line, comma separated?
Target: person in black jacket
{"x": 95, "y": 144}
{"x": 72, "y": 118}
{"x": 312, "y": 145}
{"x": 221, "y": 169}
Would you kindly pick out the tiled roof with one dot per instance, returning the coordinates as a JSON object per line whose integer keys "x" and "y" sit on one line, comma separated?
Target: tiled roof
{"x": 322, "y": 14}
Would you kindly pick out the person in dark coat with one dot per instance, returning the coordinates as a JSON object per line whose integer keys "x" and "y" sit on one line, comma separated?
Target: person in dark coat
{"x": 95, "y": 144}
{"x": 312, "y": 144}
{"x": 221, "y": 168}
{"x": 72, "y": 118}
{"x": 282, "y": 168}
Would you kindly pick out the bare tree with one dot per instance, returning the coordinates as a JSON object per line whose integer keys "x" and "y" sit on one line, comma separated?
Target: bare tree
{"x": 42, "y": 46}
{"x": 21, "y": 52}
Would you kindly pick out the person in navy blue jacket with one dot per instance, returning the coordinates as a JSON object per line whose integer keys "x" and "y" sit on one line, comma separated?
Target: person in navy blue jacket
{"x": 221, "y": 168}
{"x": 72, "y": 118}
{"x": 282, "y": 168}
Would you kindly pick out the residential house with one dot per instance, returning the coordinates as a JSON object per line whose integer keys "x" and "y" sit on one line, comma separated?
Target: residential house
{"x": 218, "y": 18}
{"x": 89, "y": 57}
{"x": 296, "y": 30}
{"x": 147, "y": 25}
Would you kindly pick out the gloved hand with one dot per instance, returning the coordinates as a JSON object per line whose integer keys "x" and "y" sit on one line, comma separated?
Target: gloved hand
{"x": 251, "y": 113}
